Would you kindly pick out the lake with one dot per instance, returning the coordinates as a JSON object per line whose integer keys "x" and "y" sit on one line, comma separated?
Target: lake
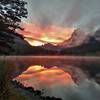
{"x": 66, "y": 77}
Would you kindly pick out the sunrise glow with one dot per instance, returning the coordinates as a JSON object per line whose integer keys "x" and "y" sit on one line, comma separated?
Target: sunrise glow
{"x": 33, "y": 42}
{"x": 50, "y": 34}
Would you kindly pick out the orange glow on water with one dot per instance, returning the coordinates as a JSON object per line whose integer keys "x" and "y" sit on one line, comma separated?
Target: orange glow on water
{"x": 37, "y": 35}
{"x": 35, "y": 68}
{"x": 38, "y": 75}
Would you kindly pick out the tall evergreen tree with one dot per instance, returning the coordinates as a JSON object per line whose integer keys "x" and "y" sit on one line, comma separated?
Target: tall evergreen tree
{"x": 11, "y": 13}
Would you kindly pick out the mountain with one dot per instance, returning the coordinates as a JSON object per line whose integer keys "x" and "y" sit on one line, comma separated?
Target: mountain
{"x": 12, "y": 43}
{"x": 80, "y": 43}
{"x": 90, "y": 47}
{"x": 97, "y": 34}
{"x": 78, "y": 37}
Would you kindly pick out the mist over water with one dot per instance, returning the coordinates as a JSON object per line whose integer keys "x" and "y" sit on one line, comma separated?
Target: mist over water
{"x": 83, "y": 14}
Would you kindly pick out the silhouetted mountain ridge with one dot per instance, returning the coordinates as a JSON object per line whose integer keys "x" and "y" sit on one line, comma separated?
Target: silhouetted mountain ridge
{"x": 13, "y": 44}
{"x": 92, "y": 46}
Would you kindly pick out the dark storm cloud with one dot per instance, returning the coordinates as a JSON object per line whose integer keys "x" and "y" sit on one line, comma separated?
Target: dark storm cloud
{"x": 75, "y": 13}
{"x": 79, "y": 13}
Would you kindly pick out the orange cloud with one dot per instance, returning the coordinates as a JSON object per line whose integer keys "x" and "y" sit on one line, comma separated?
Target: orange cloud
{"x": 37, "y": 35}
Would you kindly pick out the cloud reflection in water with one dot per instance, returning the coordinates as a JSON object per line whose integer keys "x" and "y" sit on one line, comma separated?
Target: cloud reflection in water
{"x": 59, "y": 83}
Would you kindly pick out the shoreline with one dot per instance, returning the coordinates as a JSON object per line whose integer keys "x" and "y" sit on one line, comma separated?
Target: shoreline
{"x": 51, "y": 60}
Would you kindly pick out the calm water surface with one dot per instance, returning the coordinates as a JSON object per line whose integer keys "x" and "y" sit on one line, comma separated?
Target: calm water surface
{"x": 67, "y": 77}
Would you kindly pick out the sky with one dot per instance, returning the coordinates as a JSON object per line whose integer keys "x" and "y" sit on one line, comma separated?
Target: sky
{"x": 66, "y": 13}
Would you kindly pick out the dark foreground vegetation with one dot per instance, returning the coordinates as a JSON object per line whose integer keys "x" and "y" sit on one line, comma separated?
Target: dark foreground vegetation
{"x": 11, "y": 13}
{"x": 13, "y": 90}
{"x": 34, "y": 93}
{"x": 7, "y": 90}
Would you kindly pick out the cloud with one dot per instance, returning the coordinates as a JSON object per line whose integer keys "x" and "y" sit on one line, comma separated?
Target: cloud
{"x": 78, "y": 13}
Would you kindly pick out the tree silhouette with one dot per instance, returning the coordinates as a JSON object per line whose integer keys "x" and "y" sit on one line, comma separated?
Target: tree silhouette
{"x": 11, "y": 13}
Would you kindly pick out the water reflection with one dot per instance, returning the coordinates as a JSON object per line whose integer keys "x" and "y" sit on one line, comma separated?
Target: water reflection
{"x": 55, "y": 81}
{"x": 64, "y": 81}
{"x": 69, "y": 78}
{"x": 40, "y": 77}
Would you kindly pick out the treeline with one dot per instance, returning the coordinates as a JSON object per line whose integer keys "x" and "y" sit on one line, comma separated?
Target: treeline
{"x": 36, "y": 93}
